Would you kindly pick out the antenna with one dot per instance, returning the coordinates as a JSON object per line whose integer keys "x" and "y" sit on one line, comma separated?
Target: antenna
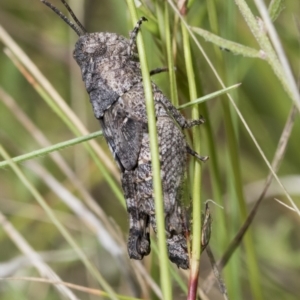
{"x": 79, "y": 29}
{"x": 73, "y": 15}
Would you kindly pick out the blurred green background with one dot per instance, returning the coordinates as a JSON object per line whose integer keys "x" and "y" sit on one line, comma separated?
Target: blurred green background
{"x": 26, "y": 118}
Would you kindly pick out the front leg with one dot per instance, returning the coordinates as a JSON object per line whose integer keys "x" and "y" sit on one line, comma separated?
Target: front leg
{"x": 133, "y": 35}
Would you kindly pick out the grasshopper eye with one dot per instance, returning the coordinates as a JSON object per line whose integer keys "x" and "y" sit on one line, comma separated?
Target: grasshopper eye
{"x": 94, "y": 48}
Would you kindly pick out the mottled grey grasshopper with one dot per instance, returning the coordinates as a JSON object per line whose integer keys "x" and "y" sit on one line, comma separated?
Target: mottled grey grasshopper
{"x": 112, "y": 76}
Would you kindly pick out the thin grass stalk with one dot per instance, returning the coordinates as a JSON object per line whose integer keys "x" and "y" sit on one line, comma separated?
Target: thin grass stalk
{"x": 87, "y": 217}
{"x": 59, "y": 225}
{"x": 265, "y": 158}
{"x": 233, "y": 270}
{"x": 50, "y": 149}
{"x": 34, "y": 258}
{"x": 173, "y": 270}
{"x": 196, "y": 194}
{"x": 212, "y": 16}
{"x": 146, "y": 276}
{"x": 294, "y": 88}
{"x": 155, "y": 164}
{"x": 217, "y": 274}
{"x": 165, "y": 33}
{"x": 283, "y": 74}
{"x": 208, "y": 96}
{"x": 159, "y": 14}
{"x": 69, "y": 285}
{"x": 170, "y": 57}
{"x": 77, "y": 91}
{"x": 238, "y": 187}
{"x": 215, "y": 173}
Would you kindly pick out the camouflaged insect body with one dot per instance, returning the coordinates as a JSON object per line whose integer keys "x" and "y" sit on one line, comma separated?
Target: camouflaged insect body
{"x": 113, "y": 80}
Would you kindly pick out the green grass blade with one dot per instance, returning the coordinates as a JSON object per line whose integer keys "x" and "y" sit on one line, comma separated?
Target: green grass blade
{"x": 52, "y": 148}
{"x": 209, "y": 96}
{"x": 158, "y": 194}
{"x": 235, "y": 48}
{"x": 196, "y": 194}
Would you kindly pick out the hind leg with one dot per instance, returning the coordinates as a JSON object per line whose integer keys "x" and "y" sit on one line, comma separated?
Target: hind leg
{"x": 138, "y": 239}
{"x": 195, "y": 154}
